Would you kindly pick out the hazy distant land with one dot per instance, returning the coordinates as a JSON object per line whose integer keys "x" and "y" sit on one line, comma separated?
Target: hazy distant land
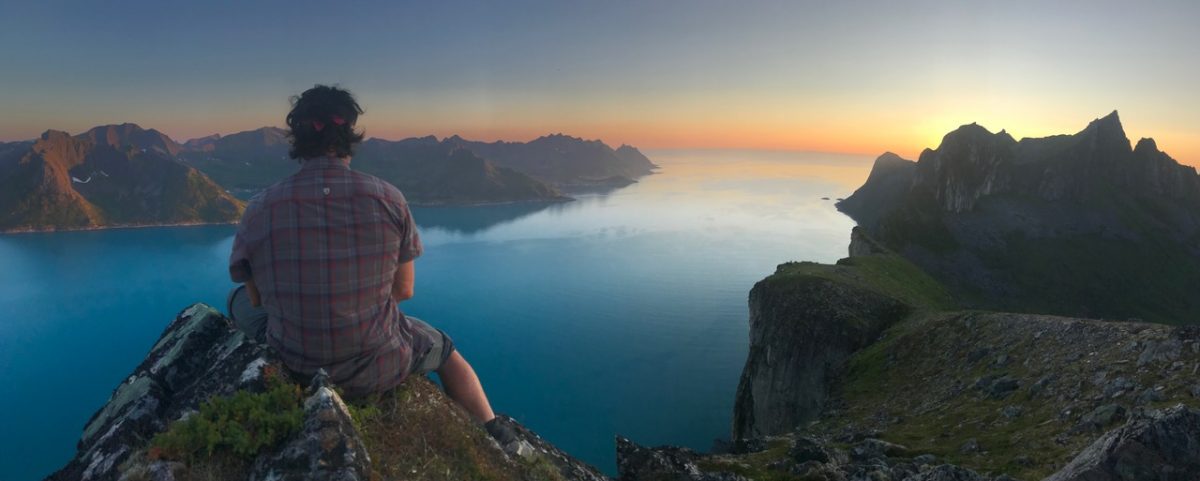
{"x": 125, "y": 176}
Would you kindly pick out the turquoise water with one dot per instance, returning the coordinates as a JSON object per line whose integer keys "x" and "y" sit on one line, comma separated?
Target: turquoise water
{"x": 623, "y": 312}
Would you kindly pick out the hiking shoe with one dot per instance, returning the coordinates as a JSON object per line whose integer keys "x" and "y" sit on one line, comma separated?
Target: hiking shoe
{"x": 508, "y": 438}
{"x": 502, "y": 432}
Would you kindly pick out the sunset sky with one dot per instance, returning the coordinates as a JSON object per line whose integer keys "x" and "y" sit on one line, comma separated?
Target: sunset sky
{"x": 842, "y": 76}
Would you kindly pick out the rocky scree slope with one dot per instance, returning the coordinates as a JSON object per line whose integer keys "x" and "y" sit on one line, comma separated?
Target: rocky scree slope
{"x": 1079, "y": 225}
{"x": 414, "y": 432}
{"x": 868, "y": 370}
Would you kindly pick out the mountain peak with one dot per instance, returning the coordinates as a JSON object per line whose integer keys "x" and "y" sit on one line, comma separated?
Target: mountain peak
{"x": 1107, "y": 132}
{"x": 128, "y": 134}
{"x": 1108, "y": 124}
{"x": 973, "y": 133}
{"x": 52, "y": 134}
{"x": 890, "y": 156}
{"x": 1146, "y": 144}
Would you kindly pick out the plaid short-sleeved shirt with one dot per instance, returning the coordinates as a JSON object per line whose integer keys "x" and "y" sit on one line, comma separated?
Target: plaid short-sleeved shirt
{"x": 323, "y": 247}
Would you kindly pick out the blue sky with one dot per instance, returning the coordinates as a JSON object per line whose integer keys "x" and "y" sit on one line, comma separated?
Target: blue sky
{"x": 846, "y": 76}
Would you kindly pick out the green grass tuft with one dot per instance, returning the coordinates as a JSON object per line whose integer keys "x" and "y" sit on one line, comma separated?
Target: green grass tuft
{"x": 241, "y": 425}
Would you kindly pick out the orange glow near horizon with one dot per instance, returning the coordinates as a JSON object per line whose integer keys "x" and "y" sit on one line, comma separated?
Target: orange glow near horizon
{"x": 905, "y": 139}
{"x": 869, "y": 135}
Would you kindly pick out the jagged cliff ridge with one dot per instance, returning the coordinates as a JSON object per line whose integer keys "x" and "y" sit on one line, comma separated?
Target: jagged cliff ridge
{"x": 942, "y": 393}
{"x": 414, "y": 432}
{"x": 114, "y": 175}
{"x": 1079, "y": 225}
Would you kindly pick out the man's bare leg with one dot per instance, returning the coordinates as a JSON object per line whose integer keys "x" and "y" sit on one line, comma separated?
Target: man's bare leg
{"x": 464, "y": 388}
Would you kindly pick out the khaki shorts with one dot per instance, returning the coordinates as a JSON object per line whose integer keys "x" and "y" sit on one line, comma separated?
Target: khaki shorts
{"x": 253, "y": 321}
{"x": 440, "y": 348}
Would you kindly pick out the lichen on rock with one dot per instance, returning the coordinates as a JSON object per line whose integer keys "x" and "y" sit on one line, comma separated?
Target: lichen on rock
{"x": 201, "y": 361}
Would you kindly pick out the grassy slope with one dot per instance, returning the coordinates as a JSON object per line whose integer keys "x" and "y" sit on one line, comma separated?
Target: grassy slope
{"x": 416, "y": 433}
{"x": 917, "y": 385}
{"x": 890, "y": 275}
{"x": 413, "y": 432}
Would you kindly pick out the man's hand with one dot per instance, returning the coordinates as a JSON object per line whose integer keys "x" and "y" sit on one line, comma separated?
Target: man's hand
{"x": 402, "y": 285}
{"x": 255, "y": 299}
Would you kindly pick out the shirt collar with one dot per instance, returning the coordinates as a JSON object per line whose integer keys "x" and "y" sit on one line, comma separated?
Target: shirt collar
{"x": 325, "y": 162}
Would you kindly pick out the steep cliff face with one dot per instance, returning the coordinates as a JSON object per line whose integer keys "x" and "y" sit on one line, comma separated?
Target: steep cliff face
{"x": 1080, "y": 225}
{"x": 969, "y": 164}
{"x": 931, "y": 392}
{"x": 201, "y": 382}
{"x": 802, "y": 329}
{"x": 807, "y": 319}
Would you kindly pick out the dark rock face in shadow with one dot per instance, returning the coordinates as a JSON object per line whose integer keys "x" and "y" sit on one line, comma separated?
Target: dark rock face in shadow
{"x": 802, "y": 330}
{"x": 1080, "y": 225}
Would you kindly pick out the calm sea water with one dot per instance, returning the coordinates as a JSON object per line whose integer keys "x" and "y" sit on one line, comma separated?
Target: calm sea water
{"x": 623, "y": 312}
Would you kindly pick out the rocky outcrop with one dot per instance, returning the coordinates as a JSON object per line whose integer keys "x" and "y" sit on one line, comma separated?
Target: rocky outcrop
{"x": 790, "y": 457}
{"x": 200, "y": 357}
{"x": 803, "y": 327}
{"x": 1016, "y": 393}
{"x": 326, "y": 447}
{"x": 666, "y": 463}
{"x": 863, "y": 245}
{"x": 994, "y": 394}
{"x": 1162, "y": 446}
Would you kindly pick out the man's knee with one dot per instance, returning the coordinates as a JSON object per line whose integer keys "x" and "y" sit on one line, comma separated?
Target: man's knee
{"x": 247, "y": 318}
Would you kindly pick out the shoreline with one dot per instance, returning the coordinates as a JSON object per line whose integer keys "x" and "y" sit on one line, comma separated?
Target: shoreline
{"x": 556, "y": 200}
{"x": 51, "y": 230}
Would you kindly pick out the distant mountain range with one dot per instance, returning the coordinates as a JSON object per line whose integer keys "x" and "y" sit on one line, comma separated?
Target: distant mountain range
{"x": 120, "y": 175}
{"x": 430, "y": 171}
{"x": 564, "y": 160}
{"x": 113, "y": 175}
{"x": 1082, "y": 225}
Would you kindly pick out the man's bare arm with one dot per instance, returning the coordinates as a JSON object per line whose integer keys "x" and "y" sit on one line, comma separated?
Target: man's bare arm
{"x": 402, "y": 285}
{"x": 255, "y": 299}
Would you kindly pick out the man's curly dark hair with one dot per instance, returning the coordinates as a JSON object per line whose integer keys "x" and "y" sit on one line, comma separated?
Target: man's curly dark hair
{"x": 322, "y": 123}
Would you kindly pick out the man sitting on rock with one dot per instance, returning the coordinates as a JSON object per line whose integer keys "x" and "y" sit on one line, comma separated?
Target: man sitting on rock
{"x": 326, "y": 255}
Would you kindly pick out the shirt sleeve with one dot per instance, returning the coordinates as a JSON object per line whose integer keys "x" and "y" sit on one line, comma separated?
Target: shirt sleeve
{"x": 243, "y": 245}
{"x": 410, "y": 240}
